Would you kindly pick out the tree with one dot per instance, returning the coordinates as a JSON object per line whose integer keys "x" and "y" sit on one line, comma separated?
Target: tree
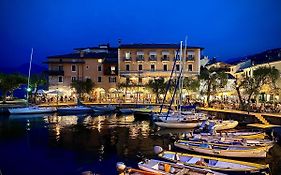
{"x": 37, "y": 80}
{"x": 252, "y": 85}
{"x": 82, "y": 87}
{"x": 157, "y": 86}
{"x": 191, "y": 84}
{"x": 10, "y": 82}
{"x": 212, "y": 81}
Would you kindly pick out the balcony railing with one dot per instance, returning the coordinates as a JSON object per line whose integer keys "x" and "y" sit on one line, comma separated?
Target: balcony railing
{"x": 127, "y": 59}
{"x": 190, "y": 58}
{"x": 140, "y": 59}
{"x": 165, "y": 59}
{"x": 55, "y": 72}
{"x": 152, "y": 59}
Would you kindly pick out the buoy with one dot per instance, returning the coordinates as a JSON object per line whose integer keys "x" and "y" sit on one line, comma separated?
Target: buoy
{"x": 158, "y": 149}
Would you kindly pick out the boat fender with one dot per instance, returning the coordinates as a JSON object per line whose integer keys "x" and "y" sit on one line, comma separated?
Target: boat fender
{"x": 158, "y": 149}
{"x": 120, "y": 166}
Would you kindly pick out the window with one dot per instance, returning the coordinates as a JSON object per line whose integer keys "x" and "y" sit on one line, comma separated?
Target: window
{"x": 127, "y": 80}
{"x": 190, "y": 67}
{"x": 127, "y": 67}
{"x": 165, "y": 67}
{"x": 73, "y": 68}
{"x": 177, "y": 67}
{"x": 99, "y": 79}
{"x": 60, "y": 68}
{"x": 140, "y": 66}
{"x": 112, "y": 79}
{"x": 127, "y": 55}
{"x": 140, "y": 56}
{"x": 87, "y": 78}
{"x": 140, "y": 80}
{"x": 99, "y": 68}
{"x": 73, "y": 79}
{"x": 87, "y": 67}
{"x": 60, "y": 79}
{"x": 112, "y": 70}
{"x": 152, "y": 67}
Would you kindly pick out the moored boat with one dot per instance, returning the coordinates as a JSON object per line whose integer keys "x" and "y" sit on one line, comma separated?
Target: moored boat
{"x": 162, "y": 167}
{"x": 231, "y": 140}
{"x": 74, "y": 110}
{"x": 103, "y": 109}
{"x": 225, "y": 150}
{"x": 31, "y": 110}
{"x": 126, "y": 111}
{"x": 124, "y": 170}
{"x": 227, "y": 166}
{"x": 179, "y": 125}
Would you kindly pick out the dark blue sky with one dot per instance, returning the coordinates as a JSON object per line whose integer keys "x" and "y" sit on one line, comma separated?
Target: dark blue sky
{"x": 225, "y": 28}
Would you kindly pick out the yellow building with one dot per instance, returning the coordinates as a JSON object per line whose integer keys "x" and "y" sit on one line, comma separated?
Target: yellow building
{"x": 96, "y": 63}
{"x": 139, "y": 63}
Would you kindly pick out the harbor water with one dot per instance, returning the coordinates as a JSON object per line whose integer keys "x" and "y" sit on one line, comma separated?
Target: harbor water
{"x": 70, "y": 145}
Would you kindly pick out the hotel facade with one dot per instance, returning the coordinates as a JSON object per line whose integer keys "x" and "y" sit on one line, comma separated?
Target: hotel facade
{"x": 96, "y": 63}
{"x": 120, "y": 73}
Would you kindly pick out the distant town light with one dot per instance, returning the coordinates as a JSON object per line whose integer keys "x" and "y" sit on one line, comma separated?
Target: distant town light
{"x": 28, "y": 89}
{"x": 100, "y": 60}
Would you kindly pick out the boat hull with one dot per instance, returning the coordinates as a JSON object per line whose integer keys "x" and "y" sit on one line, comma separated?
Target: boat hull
{"x": 181, "y": 125}
{"x": 15, "y": 111}
{"x": 241, "y": 151}
{"x": 227, "y": 166}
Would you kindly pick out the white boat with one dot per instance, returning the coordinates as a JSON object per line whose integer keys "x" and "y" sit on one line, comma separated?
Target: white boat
{"x": 179, "y": 125}
{"x": 103, "y": 109}
{"x": 225, "y": 150}
{"x": 231, "y": 140}
{"x": 162, "y": 167}
{"x": 74, "y": 110}
{"x": 224, "y": 124}
{"x": 176, "y": 117}
{"x": 234, "y": 133}
{"x": 212, "y": 163}
{"x": 31, "y": 110}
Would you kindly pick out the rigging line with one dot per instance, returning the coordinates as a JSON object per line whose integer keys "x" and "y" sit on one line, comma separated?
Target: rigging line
{"x": 169, "y": 82}
{"x": 178, "y": 80}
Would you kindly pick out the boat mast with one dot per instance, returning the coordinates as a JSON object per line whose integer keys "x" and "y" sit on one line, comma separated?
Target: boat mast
{"x": 180, "y": 80}
{"x": 29, "y": 71}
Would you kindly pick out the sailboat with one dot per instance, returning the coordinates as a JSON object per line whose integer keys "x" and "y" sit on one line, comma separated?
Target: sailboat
{"x": 30, "y": 109}
{"x": 178, "y": 119}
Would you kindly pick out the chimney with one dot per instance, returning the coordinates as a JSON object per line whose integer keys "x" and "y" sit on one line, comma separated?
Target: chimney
{"x": 81, "y": 53}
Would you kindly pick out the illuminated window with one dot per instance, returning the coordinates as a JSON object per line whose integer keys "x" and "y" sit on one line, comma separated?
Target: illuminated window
{"x": 127, "y": 55}
{"x": 60, "y": 79}
{"x": 73, "y": 79}
{"x": 73, "y": 68}
{"x": 100, "y": 60}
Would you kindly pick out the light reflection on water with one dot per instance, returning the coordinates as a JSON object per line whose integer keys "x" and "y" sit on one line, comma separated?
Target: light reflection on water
{"x": 98, "y": 137}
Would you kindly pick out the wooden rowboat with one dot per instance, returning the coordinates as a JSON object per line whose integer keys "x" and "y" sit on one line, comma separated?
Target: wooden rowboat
{"x": 161, "y": 167}
{"x": 123, "y": 170}
{"x": 225, "y": 150}
{"x": 227, "y": 166}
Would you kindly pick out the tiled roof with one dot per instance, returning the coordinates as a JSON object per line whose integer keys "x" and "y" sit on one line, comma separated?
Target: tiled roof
{"x": 155, "y": 46}
{"x": 86, "y": 55}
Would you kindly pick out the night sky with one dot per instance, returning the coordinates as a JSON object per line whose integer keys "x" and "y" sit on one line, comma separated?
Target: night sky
{"x": 225, "y": 28}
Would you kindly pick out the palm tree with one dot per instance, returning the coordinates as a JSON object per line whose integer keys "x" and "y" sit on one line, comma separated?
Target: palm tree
{"x": 212, "y": 81}
{"x": 157, "y": 86}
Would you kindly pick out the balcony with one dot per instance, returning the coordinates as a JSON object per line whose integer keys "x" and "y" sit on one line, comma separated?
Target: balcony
{"x": 127, "y": 59}
{"x": 190, "y": 58}
{"x": 140, "y": 59}
{"x": 55, "y": 72}
{"x": 165, "y": 58}
{"x": 152, "y": 59}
